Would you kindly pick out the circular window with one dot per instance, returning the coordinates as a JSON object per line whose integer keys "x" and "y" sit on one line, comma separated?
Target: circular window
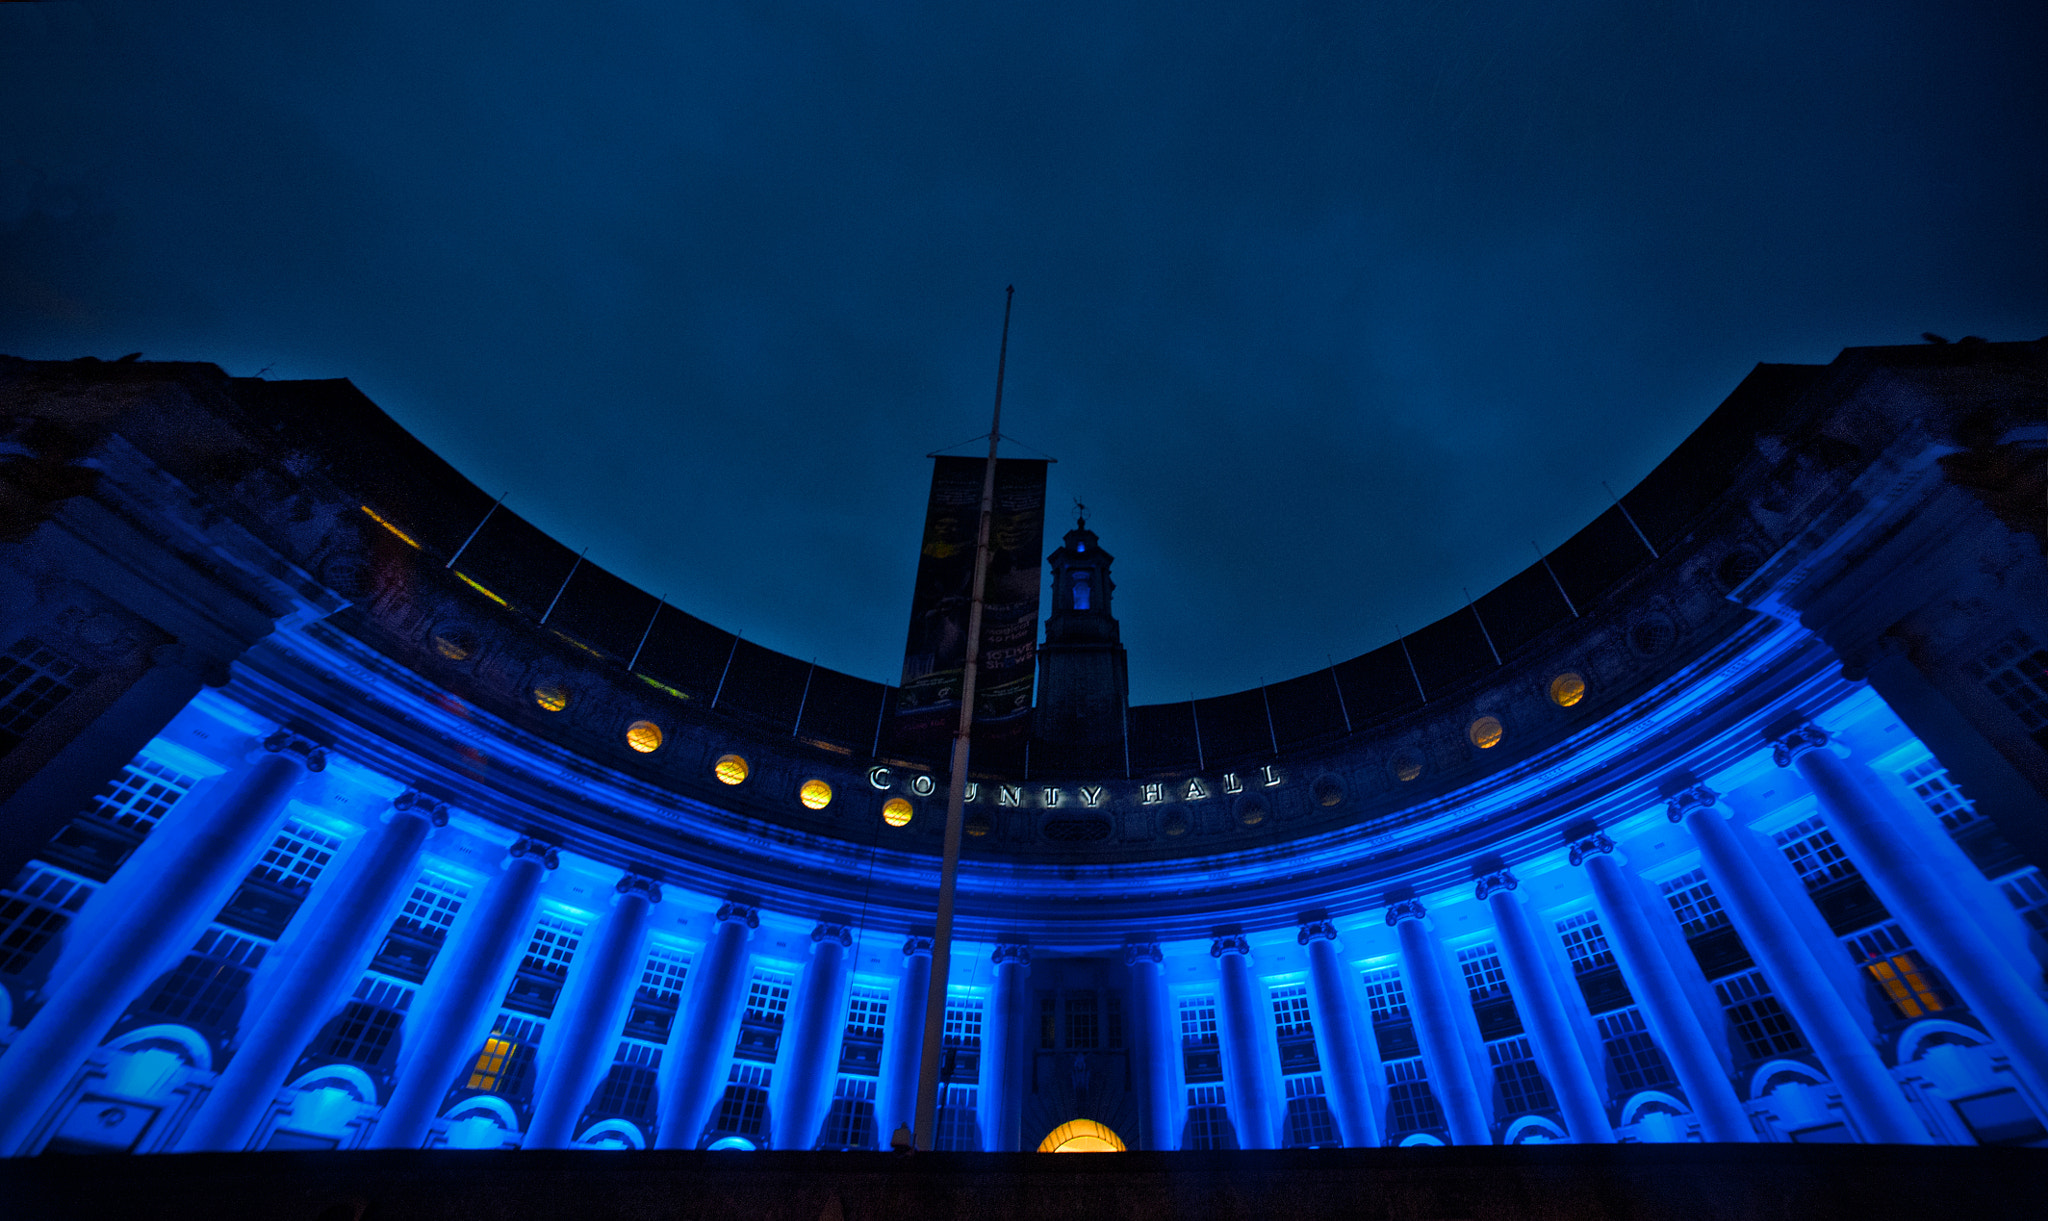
{"x": 730, "y": 769}
{"x": 1652, "y": 634}
{"x": 1329, "y": 791}
{"x": 976, "y": 824}
{"x": 456, "y": 643}
{"x": 644, "y": 736}
{"x": 1567, "y": 689}
{"x": 1174, "y": 822}
{"x": 896, "y": 812}
{"x": 551, "y": 696}
{"x": 1251, "y": 811}
{"x": 815, "y": 794}
{"x": 1737, "y": 566}
{"x": 1485, "y": 732}
{"x": 1407, "y": 766}
{"x": 1077, "y": 830}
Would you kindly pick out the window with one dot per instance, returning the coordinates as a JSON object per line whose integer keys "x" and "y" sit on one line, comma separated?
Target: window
{"x": 431, "y": 907}
{"x": 1082, "y": 1030}
{"x": 867, "y": 1011}
{"x": 369, "y": 1023}
{"x": 1522, "y": 1088}
{"x": 37, "y": 908}
{"x": 1483, "y": 974}
{"x": 297, "y": 856}
{"x": 850, "y": 1124}
{"x": 959, "y": 1127}
{"x": 2016, "y": 672}
{"x": 507, "y": 1056}
{"x": 1084, "y": 589}
{"x": 963, "y": 1021}
{"x": 1907, "y": 983}
{"x": 1410, "y": 1105}
{"x": 2028, "y": 897}
{"x": 554, "y": 943}
{"x": 141, "y": 795}
{"x": 1760, "y": 1021}
{"x": 1310, "y": 1124}
{"x": 1812, "y": 849}
{"x": 2001, "y": 1118}
{"x": 768, "y": 997}
{"x": 1585, "y": 943}
{"x": 1637, "y": 1062}
{"x": 1693, "y": 902}
{"x": 1290, "y": 1011}
{"x": 34, "y": 679}
{"x": 1931, "y": 783}
{"x": 743, "y": 1111}
{"x": 1198, "y": 1021}
{"x": 202, "y": 990}
{"x": 1384, "y": 995}
{"x": 1208, "y": 1120}
{"x": 628, "y": 1089}
{"x": 662, "y": 978}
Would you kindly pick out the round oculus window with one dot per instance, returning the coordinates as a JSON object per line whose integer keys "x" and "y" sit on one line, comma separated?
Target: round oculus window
{"x": 730, "y": 769}
{"x": 815, "y": 794}
{"x": 1567, "y": 689}
{"x": 896, "y": 812}
{"x": 1485, "y": 732}
{"x": 644, "y": 736}
{"x": 552, "y": 697}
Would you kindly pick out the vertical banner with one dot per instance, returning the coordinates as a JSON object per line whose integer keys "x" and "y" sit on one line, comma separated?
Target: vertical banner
{"x": 935, "y": 657}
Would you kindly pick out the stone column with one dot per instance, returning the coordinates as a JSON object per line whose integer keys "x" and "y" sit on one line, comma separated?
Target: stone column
{"x": 585, "y": 1037}
{"x": 1874, "y": 829}
{"x": 1657, "y": 989}
{"x": 1246, "y": 1031}
{"x": 810, "y": 1057}
{"x": 179, "y": 880}
{"x": 1347, "y": 1074}
{"x": 1558, "y": 1050}
{"x": 1873, "y": 1097}
{"x": 1004, "y": 1028}
{"x": 701, "y": 1041}
{"x": 1433, "y": 1005}
{"x": 898, "y": 1102}
{"x": 1159, "y": 1109}
{"x": 333, "y": 955}
{"x": 462, "y": 997}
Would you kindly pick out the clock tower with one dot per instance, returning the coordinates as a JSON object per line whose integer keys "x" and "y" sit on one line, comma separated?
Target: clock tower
{"x": 1084, "y": 684}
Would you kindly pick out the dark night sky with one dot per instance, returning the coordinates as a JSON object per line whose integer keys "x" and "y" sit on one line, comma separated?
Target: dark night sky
{"x": 1327, "y": 310}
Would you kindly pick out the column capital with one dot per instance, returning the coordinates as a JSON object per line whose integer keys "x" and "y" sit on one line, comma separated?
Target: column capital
{"x": 1011, "y": 951}
{"x": 412, "y": 800}
{"x": 1230, "y": 943}
{"x": 297, "y": 746}
{"x": 1797, "y": 741}
{"x": 638, "y": 884}
{"x": 1406, "y": 909}
{"x": 833, "y": 932}
{"x": 1315, "y": 930}
{"x": 1142, "y": 951}
{"x": 739, "y": 913}
{"x": 1499, "y": 879}
{"x": 916, "y": 944}
{"x": 544, "y": 852}
{"x": 1597, "y": 842}
{"x": 1686, "y": 800}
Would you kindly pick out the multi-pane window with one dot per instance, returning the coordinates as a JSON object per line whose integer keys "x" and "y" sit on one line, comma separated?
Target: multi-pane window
{"x": 1760, "y": 1021}
{"x": 34, "y": 910}
{"x": 1634, "y": 1055}
{"x": 1310, "y": 1123}
{"x": 369, "y": 1023}
{"x": 1208, "y": 1120}
{"x": 1931, "y": 782}
{"x": 2016, "y": 672}
{"x": 1198, "y": 1021}
{"x": 1891, "y": 961}
{"x": 661, "y": 979}
{"x": 432, "y": 905}
{"x": 1484, "y": 976}
{"x": 1812, "y": 849}
{"x": 141, "y": 795}
{"x": 768, "y": 997}
{"x": 507, "y": 1054}
{"x": 34, "y": 679}
{"x": 1290, "y": 1011}
{"x": 297, "y": 856}
{"x": 628, "y": 1089}
{"x": 866, "y": 1013}
{"x": 959, "y": 1127}
{"x": 202, "y": 990}
{"x": 743, "y": 1111}
{"x": 1384, "y": 995}
{"x": 850, "y": 1124}
{"x": 554, "y": 943}
{"x": 2029, "y": 898}
{"x": 1693, "y": 901}
{"x": 1083, "y": 1030}
{"x": 1410, "y": 1105}
{"x": 1522, "y": 1088}
{"x": 1585, "y": 943}
{"x": 963, "y": 1021}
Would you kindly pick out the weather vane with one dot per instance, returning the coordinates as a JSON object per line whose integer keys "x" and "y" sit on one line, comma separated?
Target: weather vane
{"x": 1080, "y": 513}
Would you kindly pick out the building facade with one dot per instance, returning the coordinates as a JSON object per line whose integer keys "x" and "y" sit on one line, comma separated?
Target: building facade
{"x": 344, "y": 809}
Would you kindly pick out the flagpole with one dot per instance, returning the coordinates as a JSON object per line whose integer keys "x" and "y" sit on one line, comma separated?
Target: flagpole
{"x": 956, "y": 788}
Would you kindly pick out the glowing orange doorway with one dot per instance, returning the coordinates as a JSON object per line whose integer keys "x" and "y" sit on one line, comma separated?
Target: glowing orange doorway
{"x": 1081, "y": 1136}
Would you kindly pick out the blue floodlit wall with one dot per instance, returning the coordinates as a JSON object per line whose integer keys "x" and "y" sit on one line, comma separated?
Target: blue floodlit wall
{"x": 349, "y": 812}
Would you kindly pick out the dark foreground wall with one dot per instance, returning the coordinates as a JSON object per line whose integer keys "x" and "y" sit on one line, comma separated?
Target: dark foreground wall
{"x": 1752, "y": 1183}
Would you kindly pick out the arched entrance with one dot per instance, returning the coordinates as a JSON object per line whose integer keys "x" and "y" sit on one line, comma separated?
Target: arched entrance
{"x": 1081, "y": 1136}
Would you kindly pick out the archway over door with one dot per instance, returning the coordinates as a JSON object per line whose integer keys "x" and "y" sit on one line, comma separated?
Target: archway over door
{"x": 1081, "y": 1136}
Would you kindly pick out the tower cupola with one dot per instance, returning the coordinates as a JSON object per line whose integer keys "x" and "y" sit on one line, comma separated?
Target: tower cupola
{"x": 1083, "y": 679}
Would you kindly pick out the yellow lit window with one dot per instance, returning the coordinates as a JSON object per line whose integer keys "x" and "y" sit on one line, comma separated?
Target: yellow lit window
{"x": 1408, "y": 769}
{"x": 1081, "y": 1136}
{"x": 1567, "y": 689}
{"x": 552, "y": 697}
{"x": 730, "y": 769}
{"x": 491, "y": 1064}
{"x": 815, "y": 794}
{"x": 1905, "y": 982}
{"x": 896, "y": 812}
{"x": 1486, "y": 732}
{"x": 453, "y": 646}
{"x": 644, "y": 736}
